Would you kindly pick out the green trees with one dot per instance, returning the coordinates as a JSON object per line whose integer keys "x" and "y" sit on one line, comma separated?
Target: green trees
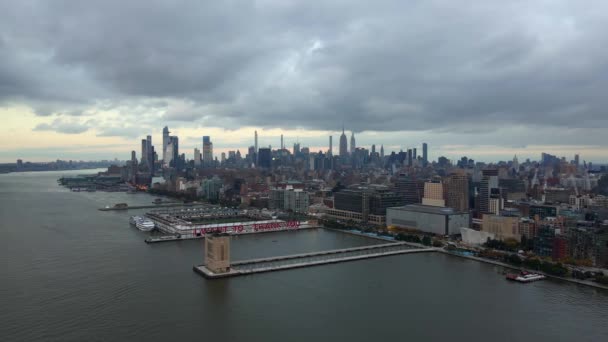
{"x": 408, "y": 238}
{"x": 426, "y": 240}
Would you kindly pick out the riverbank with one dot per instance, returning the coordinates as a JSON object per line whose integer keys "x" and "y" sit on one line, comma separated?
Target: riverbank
{"x": 499, "y": 263}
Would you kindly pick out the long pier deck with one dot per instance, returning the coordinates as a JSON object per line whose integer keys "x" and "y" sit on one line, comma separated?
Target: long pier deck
{"x": 169, "y": 238}
{"x": 149, "y": 206}
{"x": 286, "y": 262}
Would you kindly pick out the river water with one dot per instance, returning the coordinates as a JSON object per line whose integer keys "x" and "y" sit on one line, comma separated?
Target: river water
{"x": 72, "y": 273}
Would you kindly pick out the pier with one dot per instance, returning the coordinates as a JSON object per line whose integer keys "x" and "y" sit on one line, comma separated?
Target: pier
{"x": 164, "y": 205}
{"x": 169, "y": 238}
{"x": 286, "y": 262}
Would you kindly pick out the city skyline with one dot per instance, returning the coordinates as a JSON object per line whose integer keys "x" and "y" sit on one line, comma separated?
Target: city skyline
{"x": 122, "y": 151}
{"x": 487, "y": 84}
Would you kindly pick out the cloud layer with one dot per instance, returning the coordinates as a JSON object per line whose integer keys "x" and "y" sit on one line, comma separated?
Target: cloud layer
{"x": 440, "y": 66}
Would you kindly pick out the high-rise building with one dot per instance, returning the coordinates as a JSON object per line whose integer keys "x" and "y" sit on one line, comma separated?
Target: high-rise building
{"x": 343, "y": 145}
{"x": 296, "y": 148}
{"x": 488, "y": 185}
{"x": 410, "y": 189}
{"x": 282, "y": 146}
{"x": 425, "y": 156}
{"x": 150, "y": 153}
{"x": 207, "y": 151}
{"x": 382, "y": 151}
{"x": 165, "y": 141}
{"x": 172, "y": 152}
{"x": 331, "y": 148}
{"x": 144, "y": 154}
{"x": 457, "y": 196}
{"x": 433, "y": 194}
{"x": 353, "y": 145}
{"x": 265, "y": 158}
{"x": 414, "y": 154}
{"x": 198, "y": 160}
{"x": 373, "y": 148}
{"x": 255, "y": 149}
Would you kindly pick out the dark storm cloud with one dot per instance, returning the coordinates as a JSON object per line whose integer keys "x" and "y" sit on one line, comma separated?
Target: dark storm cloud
{"x": 382, "y": 65}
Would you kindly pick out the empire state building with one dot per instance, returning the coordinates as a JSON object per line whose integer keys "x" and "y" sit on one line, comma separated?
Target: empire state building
{"x": 343, "y": 145}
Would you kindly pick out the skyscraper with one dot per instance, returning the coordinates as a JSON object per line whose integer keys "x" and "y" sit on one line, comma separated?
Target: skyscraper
{"x": 381, "y": 151}
{"x": 352, "y": 143}
{"x": 330, "y": 152}
{"x": 144, "y": 152}
{"x": 197, "y": 158}
{"x": 425, "y": 155}
{"x": 255, "y": 148}
{"x": 282, "y": 146}
{"x": 207, "y": 151}
{"x": 343, "y": 145}
{"x": 457, "y": 196}
{"x": 265, "y": 158}
{"x": 150, "y": 152}
{"x": 165, "y": 140}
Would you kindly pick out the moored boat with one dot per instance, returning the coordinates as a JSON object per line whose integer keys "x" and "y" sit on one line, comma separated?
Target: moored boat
{"x": 524, "y": 277}
{"x": 145, "y": 225}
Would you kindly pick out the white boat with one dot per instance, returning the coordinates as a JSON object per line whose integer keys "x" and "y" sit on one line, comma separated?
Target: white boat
{"x": 134, "y": 219}
{"x": 525, "y": 277}
{"x": 145, "y": 225}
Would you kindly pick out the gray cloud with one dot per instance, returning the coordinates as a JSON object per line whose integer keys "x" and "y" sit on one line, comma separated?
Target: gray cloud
{"x": 383, "y": 65}
{"x": 129, "y": 132}
{"x": 61, "y": 126}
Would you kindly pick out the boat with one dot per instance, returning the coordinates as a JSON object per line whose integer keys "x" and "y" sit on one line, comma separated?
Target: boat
{"x": 142, "y": 223}
{"x": 524, "y": 277}
{"x": 145, "y": 225}
{"x": 134, "y": 219}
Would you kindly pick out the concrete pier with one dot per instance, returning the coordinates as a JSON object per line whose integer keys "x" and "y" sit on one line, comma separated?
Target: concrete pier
{"x": 168, "y": 238}
{"x": 286, "y": 262}
{"x": 164, "y": 205}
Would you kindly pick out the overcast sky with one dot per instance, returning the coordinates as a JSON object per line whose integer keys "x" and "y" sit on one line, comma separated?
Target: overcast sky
{"x": 482, "y": 78}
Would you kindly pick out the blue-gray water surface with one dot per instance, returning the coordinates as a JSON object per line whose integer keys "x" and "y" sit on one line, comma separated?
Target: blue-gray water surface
{"x": 73, "y": 273}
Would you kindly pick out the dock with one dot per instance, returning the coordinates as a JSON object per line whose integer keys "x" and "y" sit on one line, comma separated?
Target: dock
{"x": 149, "y": 206}
{"x": 286, "y": 262}
{"x": 169, "y": 238}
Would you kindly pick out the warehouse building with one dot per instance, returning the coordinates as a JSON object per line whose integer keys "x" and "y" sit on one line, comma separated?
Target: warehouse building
{"x": 429, "y": 219}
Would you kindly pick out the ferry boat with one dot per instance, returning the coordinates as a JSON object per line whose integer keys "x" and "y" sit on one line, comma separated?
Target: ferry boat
{"x": 142, "y": 223}
{"x": 525, "y": 277}
{"x": 134, "y": 219}
{"x": 145, "y": 225}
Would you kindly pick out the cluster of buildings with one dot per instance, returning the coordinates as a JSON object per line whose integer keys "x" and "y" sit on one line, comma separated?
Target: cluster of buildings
{"x": 553, "y": 204}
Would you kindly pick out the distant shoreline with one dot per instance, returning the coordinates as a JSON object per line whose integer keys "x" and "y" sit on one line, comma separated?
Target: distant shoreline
{"x": 79, "y": 169}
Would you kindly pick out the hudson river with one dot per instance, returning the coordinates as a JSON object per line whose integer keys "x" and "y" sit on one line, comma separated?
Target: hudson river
{"x": 69, "y": 272}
